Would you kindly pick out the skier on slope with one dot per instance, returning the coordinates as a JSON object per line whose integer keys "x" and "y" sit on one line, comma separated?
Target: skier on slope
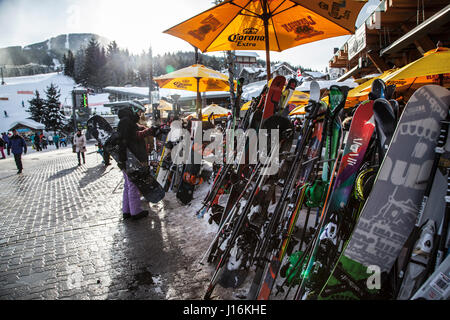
{"x": 132, "y": 137}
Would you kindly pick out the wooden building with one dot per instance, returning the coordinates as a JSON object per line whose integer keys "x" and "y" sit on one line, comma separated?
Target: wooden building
{"x": 396, "y": 34}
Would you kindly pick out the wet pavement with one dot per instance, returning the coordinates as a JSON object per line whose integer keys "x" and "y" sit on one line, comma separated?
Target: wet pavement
{"x": 62, "y": 236}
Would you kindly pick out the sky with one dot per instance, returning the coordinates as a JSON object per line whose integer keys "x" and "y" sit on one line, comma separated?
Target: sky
{"x": 23, "y": 22}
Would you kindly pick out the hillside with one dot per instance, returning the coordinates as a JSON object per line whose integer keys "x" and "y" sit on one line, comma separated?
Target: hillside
{"x": 44, "y": 56}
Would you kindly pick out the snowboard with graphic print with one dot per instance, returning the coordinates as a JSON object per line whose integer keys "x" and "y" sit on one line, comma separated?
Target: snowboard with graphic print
{"x": 389, "y": 215}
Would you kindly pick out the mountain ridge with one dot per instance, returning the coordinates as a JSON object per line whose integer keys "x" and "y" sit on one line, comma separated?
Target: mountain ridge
{"x": 45, "y": 56}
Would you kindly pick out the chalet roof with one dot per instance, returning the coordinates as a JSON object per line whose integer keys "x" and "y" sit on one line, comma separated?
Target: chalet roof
{"x": 246, "y": 54}
{"x": 29, "y": 124}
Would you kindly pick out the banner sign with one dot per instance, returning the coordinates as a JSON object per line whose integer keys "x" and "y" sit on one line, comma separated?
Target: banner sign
{"x": 357, "y": 42}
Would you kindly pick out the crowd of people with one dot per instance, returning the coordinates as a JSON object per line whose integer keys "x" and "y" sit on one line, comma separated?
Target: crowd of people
{"x": 18, "y": 145}
{"x": 41, "y": 142}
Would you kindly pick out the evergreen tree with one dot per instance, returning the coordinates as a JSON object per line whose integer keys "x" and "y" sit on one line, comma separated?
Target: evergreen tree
{"x": 53, "y": 117}
{"x": 112, "y": 50}
{"x": 94, "y": 61}
{"x": 78, "y": 66}
{"x": 37, "y": 108}
{"x": 69, "y": 64}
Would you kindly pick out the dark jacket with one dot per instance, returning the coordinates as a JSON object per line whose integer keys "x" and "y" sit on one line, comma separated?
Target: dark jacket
{"x": 132, "y": 136}
{"x": 5, "y": 138}
{"x": 17, "y": 145}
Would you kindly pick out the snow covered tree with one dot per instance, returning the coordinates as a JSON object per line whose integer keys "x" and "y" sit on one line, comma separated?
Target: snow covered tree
{"x": 37, "y": 108}
{"x": 69, "y": 64}
{"x": 53, "y": 117}
{"x": 94, "y": 61}
{"x": 78, "y": 66}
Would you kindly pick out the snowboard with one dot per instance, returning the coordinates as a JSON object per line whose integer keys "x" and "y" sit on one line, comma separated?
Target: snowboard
{"x": 334, "y": 218}
{"x": 389, "y": 215}
{"x": 286, "y": 97}
{"x": 273, "y": 97}
{"x": 167, "y": 165}
{"x": 139, "y": 174}
{"x": 192, "y": 169}
{"x": 437, "y": 287}
{"x": 423, "y": 242}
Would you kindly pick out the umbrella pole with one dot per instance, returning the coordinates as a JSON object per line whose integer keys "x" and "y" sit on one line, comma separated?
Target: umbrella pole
{"x": 199, "y": 101}
{"x": 265, "y": 18}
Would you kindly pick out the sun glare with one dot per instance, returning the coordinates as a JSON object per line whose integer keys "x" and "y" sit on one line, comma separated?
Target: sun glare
{"x": 138, "y": 24}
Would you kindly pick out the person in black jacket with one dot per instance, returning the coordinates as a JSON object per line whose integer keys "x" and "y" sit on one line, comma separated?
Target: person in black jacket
{"x": 131, "y": 136}
{"x": 17, "y": 145}
{"x": 37, "y": 141}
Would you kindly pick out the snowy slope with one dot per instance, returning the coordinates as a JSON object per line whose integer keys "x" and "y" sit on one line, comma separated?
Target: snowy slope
{"x": 21, "y": 89}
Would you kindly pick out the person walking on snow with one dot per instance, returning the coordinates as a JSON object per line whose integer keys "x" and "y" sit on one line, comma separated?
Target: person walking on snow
{"x": 2, "y": 148}
{"x": 37, "y": 142}
{"x": 63, "y": 142}
{"x": 79, "y": 141}
{"x": 44, "y": 142}
{"x": 56, "y": 140}
{"x": 5, "y": 138}
{"x": 132, "y": 137}
{"x": 18, "y": 146}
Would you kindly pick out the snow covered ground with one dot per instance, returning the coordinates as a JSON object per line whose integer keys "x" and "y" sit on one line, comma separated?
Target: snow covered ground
{"x": 16, "y": 93}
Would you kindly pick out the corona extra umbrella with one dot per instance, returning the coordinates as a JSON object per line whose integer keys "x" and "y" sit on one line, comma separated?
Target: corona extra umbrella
{"x": 270, "y": 25}
{"x": 195, "y": 78}
{"x": 216, "y": 111}
{"x": 165, "y": 106}
{"x": 299, "y": 98}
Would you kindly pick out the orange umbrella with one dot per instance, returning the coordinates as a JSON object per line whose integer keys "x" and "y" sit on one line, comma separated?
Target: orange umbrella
{"x": 270, "y": 25}
{"x": 195, "y": 78}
